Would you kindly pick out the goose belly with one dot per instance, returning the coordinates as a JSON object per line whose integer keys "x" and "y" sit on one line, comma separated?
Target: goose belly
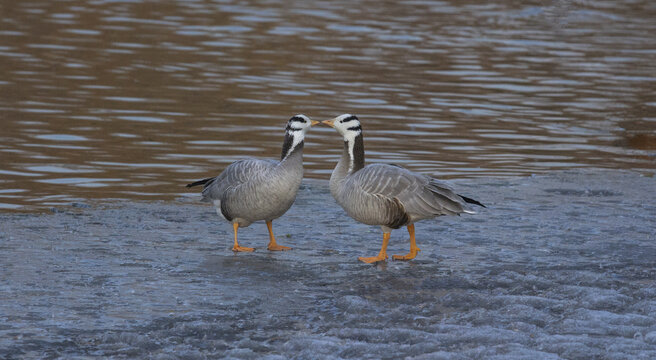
{"x": 368, "y": 210}
{"x": 259, "y": 205}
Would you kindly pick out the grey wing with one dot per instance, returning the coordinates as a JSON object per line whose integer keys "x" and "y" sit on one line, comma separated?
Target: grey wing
{"x": 373, "y": 196}
{"x": 235, "y": 175}
{"x": 420, "y": 195}
{"x": 435, "y": 198}
{"x": 381, "y": 179}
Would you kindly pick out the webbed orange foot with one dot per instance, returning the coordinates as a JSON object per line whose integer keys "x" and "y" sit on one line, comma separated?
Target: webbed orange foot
{"x": 238, "y": 248}
{"x": 373, "y": 259}
{"x": 382, "y": 254}
{"x": 273, "y": 246}
{"x": 276, "y": 247}
{"x": 409, "y": 256}
{"x": 413, "y": 246}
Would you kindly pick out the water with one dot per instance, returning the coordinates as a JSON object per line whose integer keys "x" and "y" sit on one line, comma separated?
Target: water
{"x": 557, "y": 267}
{"x": 132, "y": 99}
{"x": 104, "y": 104}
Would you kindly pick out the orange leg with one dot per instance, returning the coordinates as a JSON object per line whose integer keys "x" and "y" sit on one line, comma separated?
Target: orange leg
{"x": 272, "y": 240}
{"x": 382, "y": 255}
{"x": 236, "y": 247}
{"x": 413, "y": 246}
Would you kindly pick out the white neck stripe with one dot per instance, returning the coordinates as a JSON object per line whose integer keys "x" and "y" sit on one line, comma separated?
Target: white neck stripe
{"x": 298, "y": 138}
{"x": 349, "y": 137}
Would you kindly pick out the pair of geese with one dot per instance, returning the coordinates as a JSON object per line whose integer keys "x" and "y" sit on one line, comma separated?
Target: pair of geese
{"x": 377, "y": 194}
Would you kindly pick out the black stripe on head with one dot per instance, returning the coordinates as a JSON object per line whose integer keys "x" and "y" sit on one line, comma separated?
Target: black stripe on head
{"x": 289, "y": 128}
{"x": 297, "y": 119}
{"x": 350, "y": 118}
{"x": 355, "y": 128}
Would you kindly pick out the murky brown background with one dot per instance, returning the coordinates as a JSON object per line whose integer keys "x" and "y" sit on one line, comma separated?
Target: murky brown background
{"x": 113, "y": 99}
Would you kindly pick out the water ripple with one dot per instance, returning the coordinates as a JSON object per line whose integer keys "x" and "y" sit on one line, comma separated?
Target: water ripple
{"x": 136, "y": 94}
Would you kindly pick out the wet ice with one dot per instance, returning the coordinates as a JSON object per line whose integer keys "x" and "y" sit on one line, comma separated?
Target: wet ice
{"x": 558, "y": 266}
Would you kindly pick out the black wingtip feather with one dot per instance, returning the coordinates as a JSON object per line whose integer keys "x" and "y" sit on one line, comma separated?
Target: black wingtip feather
{"x": 472, "y": 201}
{"x": 199, "y": 182}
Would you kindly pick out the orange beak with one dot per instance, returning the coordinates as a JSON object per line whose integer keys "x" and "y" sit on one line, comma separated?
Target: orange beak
{"x": 330, "y": 122}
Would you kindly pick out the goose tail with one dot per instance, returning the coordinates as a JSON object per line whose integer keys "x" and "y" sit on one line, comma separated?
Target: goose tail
{"x": 471, "y": 201}
{"x": 200, "y": 182}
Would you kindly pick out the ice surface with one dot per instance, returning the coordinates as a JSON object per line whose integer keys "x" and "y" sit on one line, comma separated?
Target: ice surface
{"x": 558, "y": 266}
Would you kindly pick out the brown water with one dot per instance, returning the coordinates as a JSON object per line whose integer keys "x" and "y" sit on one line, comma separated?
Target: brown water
{"x": 113, "y": 99}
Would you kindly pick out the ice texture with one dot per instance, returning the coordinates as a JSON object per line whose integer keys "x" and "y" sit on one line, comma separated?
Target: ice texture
{"x": 561, "y": 266}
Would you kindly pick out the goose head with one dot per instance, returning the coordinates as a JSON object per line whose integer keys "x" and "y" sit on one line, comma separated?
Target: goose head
{"x": 295, "y": 131}
{"x": 346, "y": 125}
{"x": 300, "y": 123}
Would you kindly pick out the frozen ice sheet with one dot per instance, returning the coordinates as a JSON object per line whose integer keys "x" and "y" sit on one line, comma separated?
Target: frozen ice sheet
{"x": 558, "y": 266}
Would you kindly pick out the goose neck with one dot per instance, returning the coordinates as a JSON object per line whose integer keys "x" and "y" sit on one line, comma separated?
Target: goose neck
{"x": 354, "y": 149}
{"x": 292, "y": 146}
{"x": 352, "y": 159}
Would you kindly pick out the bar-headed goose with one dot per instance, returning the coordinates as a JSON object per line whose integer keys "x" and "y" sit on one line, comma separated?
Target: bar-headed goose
{"x": 252, "y": 190}
{"x": 387, "y": 195}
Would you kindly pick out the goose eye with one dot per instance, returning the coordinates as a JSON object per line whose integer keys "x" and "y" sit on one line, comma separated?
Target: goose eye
{"x": 297, "y": 119}
{"x": 348, "y": 119}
